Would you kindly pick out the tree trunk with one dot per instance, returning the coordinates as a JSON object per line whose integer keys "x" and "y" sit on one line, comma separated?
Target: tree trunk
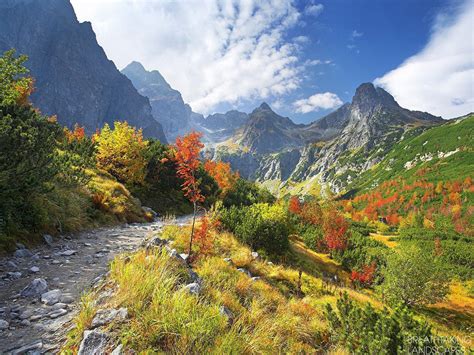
{"x": 300, "y": 273}
{"x": 188, "y": 260}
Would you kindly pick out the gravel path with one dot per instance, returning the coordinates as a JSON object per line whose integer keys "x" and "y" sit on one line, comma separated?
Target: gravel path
{"x": 71, "y": 265}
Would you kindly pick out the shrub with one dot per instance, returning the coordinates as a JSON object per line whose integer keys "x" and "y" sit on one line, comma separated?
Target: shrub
{"x": 366, "y": 331}
{"x": 121, "y": 152}
{"x": 260, "y": 226}
{"x": 246, "y": 193}
{"x": 313, "y": 237}
{"x": 414, "y": 277}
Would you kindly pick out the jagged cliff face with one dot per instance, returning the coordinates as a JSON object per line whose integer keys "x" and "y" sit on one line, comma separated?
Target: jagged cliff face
{"x": 167, "y": 104}
{"x": 334, "y": 149}
{"x": 74, "y": 78}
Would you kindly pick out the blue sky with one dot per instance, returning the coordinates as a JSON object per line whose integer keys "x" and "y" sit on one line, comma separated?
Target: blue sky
{"x": 302, "y": 57}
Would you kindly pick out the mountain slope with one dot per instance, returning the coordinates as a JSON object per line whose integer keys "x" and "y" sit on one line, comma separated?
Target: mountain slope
{"x": 74, "y": 78}
{"x": 441, "y": 153}
{"x": 167, "y": 104}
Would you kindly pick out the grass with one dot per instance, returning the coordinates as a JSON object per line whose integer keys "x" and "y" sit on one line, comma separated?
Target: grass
{"x": 82, "y": 322}
{"x": 268, "y": 315}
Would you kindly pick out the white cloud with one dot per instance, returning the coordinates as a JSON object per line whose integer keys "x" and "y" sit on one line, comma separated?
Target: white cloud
{"x": 314, "y": 9}
{"x": 316, "y": 102}
{"x": 302, "y": 39}
{"x": 440, "y": 78}
{"x": 356, "y": 34}
{"x": 213, "y": 51}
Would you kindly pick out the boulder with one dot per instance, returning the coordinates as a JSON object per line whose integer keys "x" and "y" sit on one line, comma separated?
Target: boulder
{"x": 51, "y": 297}
{"x": 255, "y": 278}
{"x": 32, "y": 348}
{"x": 255, "y": 255}
{"x": 93, "y": 343}
{"x": 12, "y": 265}
{"x": 35, "y": 289}
{"x": 57, "y": 313}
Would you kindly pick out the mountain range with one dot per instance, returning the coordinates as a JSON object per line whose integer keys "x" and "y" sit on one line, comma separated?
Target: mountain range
{"x": 77, "y": 82}
{"x": 74, "y": 78}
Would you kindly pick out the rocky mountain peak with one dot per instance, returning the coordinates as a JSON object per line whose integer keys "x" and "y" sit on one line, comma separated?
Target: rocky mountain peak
{"x": 367, "y": 97}
{"x": 264, "y": 106}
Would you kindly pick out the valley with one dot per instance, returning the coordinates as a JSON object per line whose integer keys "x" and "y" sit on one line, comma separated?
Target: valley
{"x": 241, "y": 214}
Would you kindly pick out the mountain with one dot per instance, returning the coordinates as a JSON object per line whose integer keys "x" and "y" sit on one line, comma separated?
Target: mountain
{"x": 220, "y": 126}
{"x": 167, "y": 104}
{"x": 177, "y": 117}
{"x": 331, "y": 151}
{"x": 74, "y": 78}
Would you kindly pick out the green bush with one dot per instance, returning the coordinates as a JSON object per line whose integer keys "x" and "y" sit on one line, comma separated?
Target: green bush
{"x": 361, "y": 250}
{"x": 366, "y": 331}
{"x": 414, "y": 277}
{"x": 313, "y": 237}
{"x": 261, "y": 226}
{"x": 246, "y": 193}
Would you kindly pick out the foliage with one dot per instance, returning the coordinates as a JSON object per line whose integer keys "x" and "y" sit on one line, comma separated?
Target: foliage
{"x": 121, "y": 152}
{"x": 366, "y": 331}
{"x": 260, "y": 226}
{"x": 222, "y": 173}
{"x": 186, "y": 156}
{"x": 28, "y": 155}
{"x": 246, "y": 193}
{"x": 15, "y": 87}
{"x": 414, "y": 277}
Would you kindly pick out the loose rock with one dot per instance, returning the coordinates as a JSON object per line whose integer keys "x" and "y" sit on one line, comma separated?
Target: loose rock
{"x": 23, "y": 253}
{"x": 57, "y": 313}
{"x": 3, "y": 324}
{"x": 36, "y": 288}
{"x": 34, "y": 269}
{"x": 51, "y": 297}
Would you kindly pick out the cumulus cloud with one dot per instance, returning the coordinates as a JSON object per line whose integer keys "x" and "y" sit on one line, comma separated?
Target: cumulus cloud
{"x": 314, "y": 9}
{"x": 439, "y": 79}
{"x": 212, "y": 51}
{"x": 316, "y": 102}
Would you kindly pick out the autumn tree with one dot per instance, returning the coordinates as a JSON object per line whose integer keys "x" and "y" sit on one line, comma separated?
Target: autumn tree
{"x": 335, "y": 229}
{"x": 294, "y": 205}
{"x": 121, "y": 152}
{"x": 222, "y": 173}
{"x": 188, "y": 149}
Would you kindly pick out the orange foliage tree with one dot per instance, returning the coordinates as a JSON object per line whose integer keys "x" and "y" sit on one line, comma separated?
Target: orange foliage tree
{"x": 187, "y": 151}
{"x": 222, "y": 173}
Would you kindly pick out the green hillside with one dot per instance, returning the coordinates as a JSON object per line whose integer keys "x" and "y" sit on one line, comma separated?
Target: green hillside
{"x": 441, "y": 153}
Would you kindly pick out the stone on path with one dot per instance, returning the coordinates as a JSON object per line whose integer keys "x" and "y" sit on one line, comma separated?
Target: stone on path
{"x": 23, "y": 253}
{"x": 57, "y": 313}
{"x": 34, "y": 269}
{"x": 117, "y": 350}
{"x": 35, "y": 289}
{"x": 3, "y": 324}
{"x": 51, "y": 297}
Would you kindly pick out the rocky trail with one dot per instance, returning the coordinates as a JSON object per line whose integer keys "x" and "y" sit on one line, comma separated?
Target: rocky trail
{"x": 40, "y": 289}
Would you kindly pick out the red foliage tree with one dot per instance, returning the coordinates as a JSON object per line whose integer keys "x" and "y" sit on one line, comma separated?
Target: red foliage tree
{"x": 203, "y": 238}
{"x": 187, "y": 153}
{"x": 294, "y": 205}
{"x": 335, "y": 230}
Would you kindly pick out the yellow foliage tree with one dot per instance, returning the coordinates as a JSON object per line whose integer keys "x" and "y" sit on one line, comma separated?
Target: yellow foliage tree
{"x": 121, "y": 152}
